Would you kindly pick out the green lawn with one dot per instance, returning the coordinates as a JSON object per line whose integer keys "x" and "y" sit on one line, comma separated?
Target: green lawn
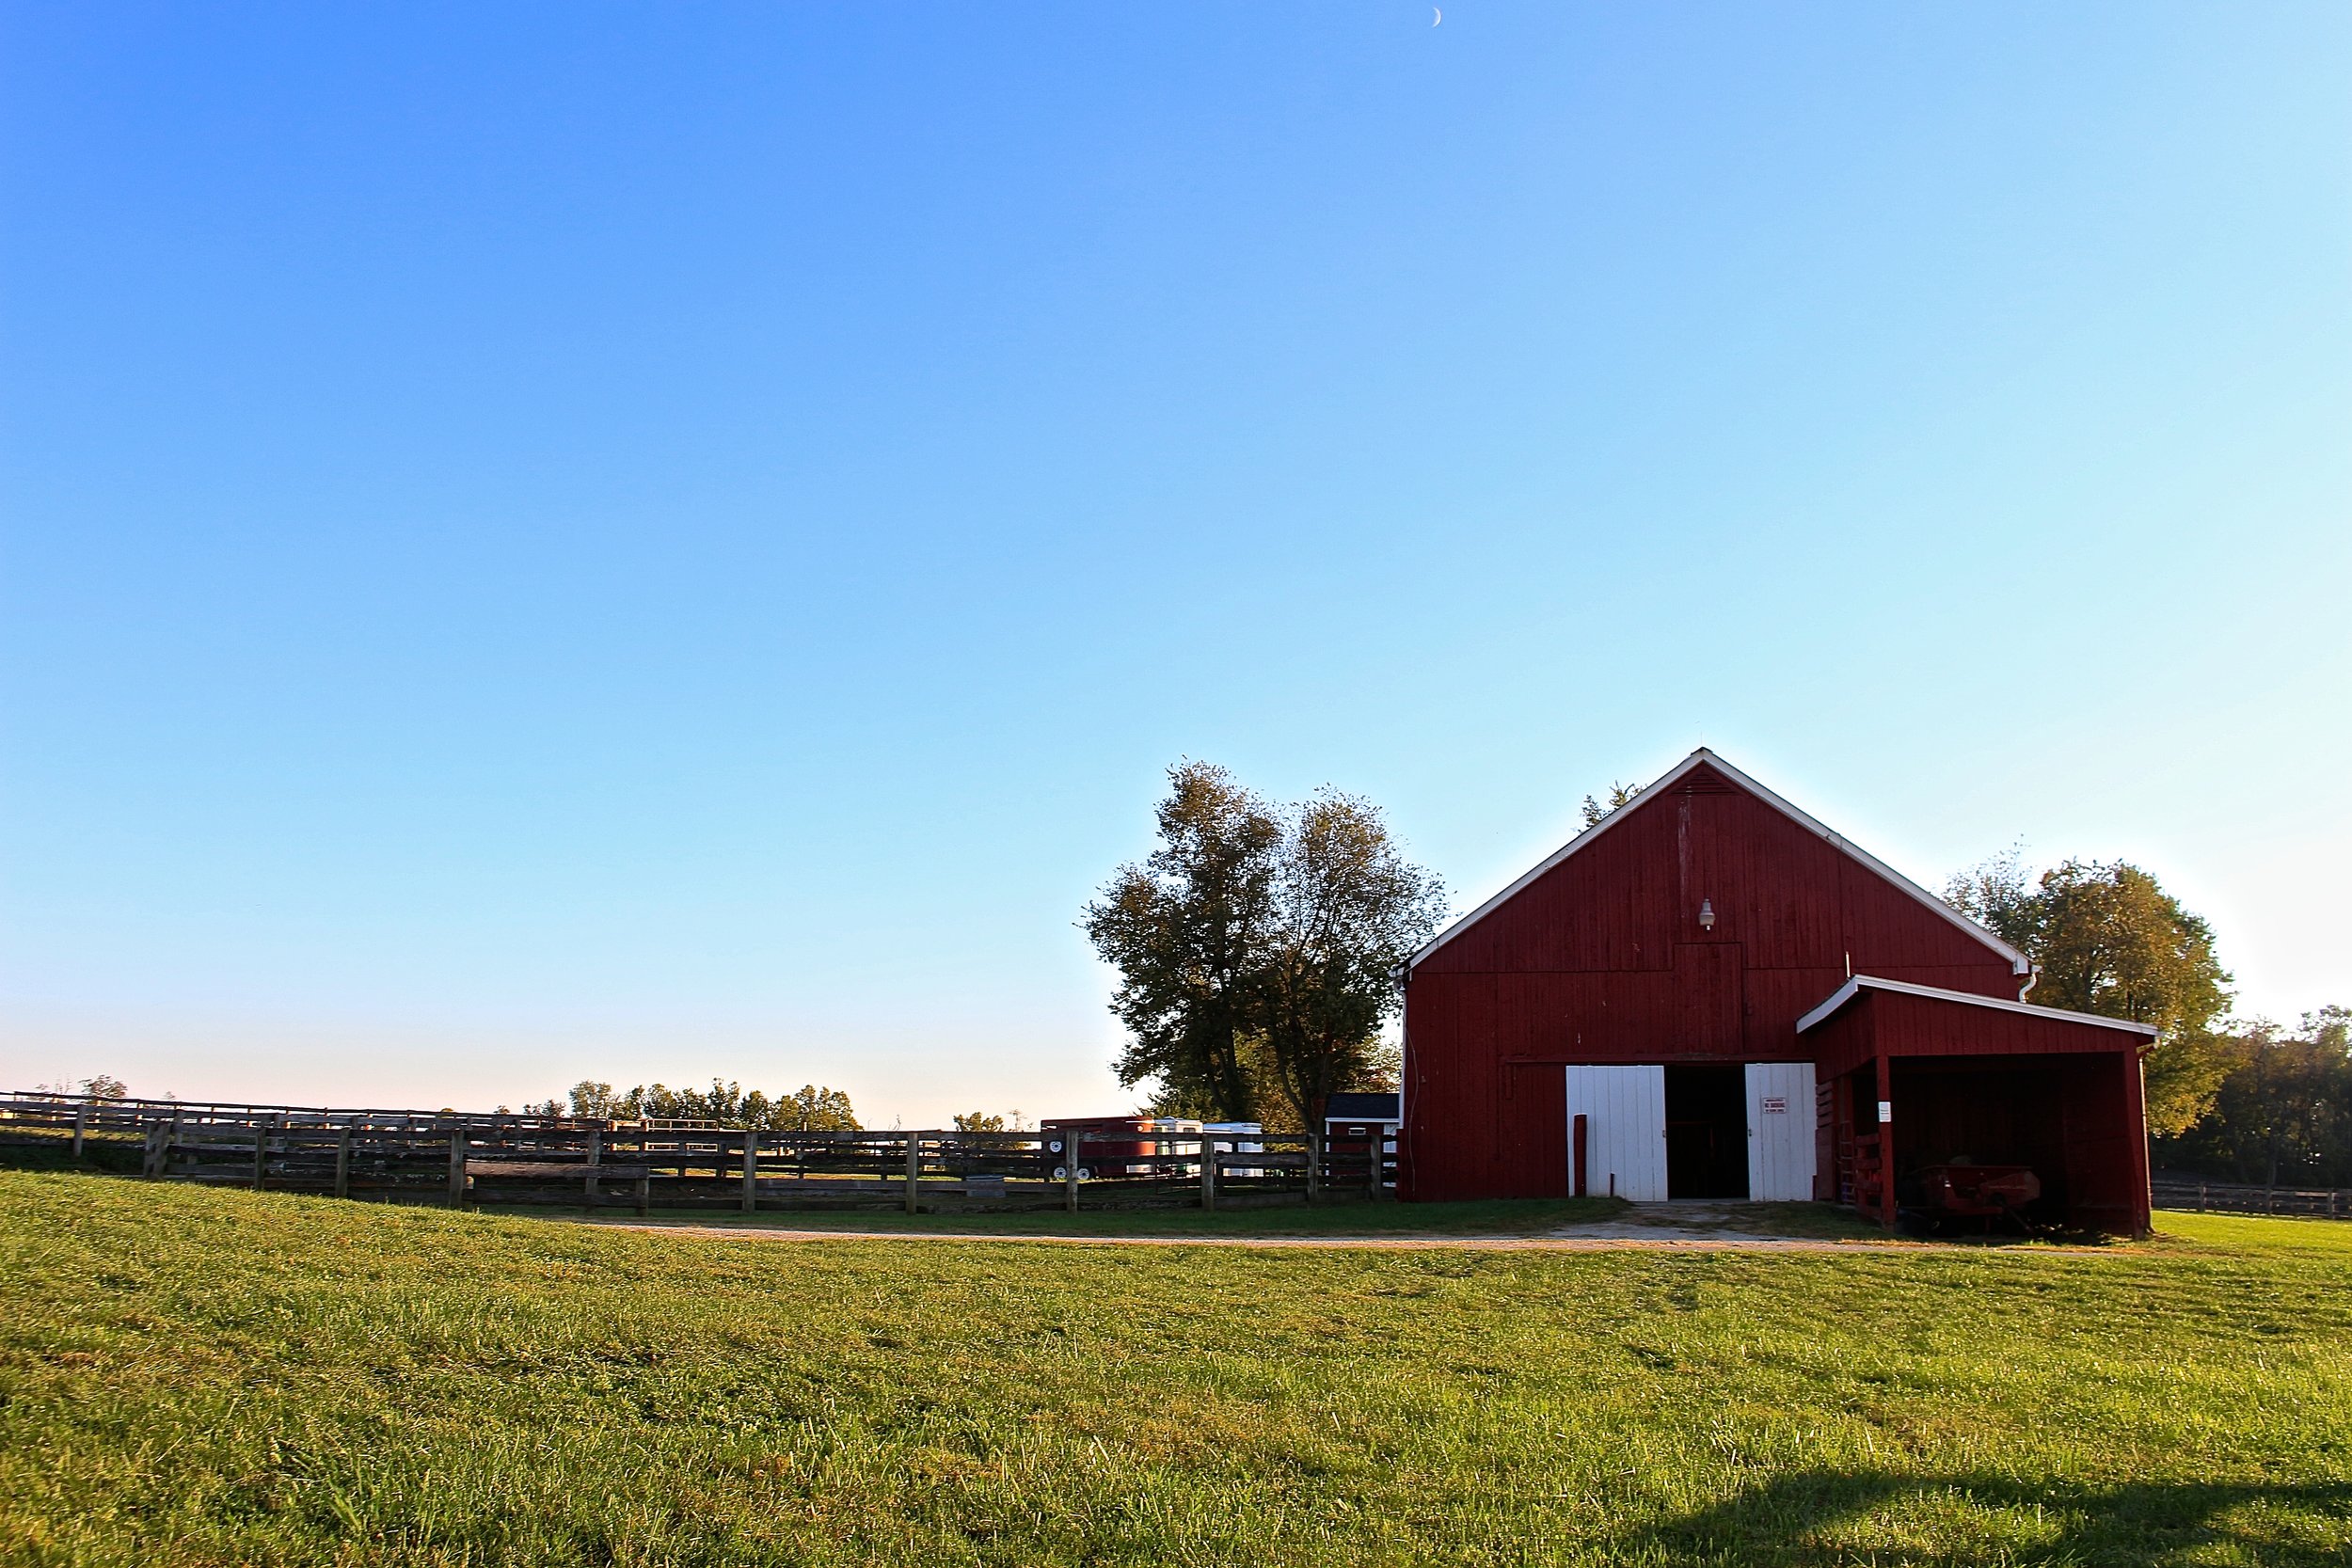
{"x": 194, "y": 1377}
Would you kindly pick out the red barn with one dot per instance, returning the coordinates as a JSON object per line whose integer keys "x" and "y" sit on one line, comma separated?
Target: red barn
{"x": 1710, "y": 994}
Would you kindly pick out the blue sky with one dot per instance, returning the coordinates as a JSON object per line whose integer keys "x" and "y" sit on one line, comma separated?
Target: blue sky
{"x": 543, "y": 541}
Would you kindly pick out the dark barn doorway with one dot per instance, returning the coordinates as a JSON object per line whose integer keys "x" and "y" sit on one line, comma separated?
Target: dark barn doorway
{"x": 1706, "y": 1131}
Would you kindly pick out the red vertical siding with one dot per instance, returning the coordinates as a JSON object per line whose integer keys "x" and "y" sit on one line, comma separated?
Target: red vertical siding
{"x": 1708, "y": 993}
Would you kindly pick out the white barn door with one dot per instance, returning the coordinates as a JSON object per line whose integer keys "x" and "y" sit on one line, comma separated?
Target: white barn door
{"x": 1780, "y": 1132}
{"x": 1624, "y": 1129}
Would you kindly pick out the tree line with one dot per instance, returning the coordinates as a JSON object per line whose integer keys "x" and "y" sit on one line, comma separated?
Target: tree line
{"x": 812, "y": 1109}
{"x": 728, "y": 1104}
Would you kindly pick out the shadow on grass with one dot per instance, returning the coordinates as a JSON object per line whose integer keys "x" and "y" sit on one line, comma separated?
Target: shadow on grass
{"x": 100, "y": 1156}
{"x": 1784, "y": 1520}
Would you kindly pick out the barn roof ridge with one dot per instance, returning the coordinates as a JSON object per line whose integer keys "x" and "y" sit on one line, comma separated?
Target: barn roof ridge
{"x": 2019, "y": 964}
{"x": 1855, "y": 985}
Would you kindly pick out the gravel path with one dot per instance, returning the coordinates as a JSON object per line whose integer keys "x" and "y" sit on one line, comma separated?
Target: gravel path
{"x": 1580, "y": 1241}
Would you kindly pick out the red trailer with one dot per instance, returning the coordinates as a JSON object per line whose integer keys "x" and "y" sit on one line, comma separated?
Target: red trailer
{"x": 1737, "y": 1001}
{"x": 1118, "y": 1146}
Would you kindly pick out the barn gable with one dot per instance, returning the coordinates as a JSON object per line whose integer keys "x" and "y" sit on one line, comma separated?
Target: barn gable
{"x": 1628, "y": 890}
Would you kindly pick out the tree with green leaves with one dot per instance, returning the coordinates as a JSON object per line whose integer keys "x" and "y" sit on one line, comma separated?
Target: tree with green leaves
{"x": 1186, "y": 929}
{"x": 1619, "y": 795}
{"x": 1348, "y": 911}
{"x": 1256, "y": 949}
{"x": 2107, "y": 939}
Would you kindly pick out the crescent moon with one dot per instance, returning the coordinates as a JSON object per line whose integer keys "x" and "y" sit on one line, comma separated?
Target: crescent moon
{"x": 1436, "y": 16}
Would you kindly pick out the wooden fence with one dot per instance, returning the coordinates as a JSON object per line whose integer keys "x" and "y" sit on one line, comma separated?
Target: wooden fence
{"x": 2241, "y": 1198}
{"x": 458, "y": 1159}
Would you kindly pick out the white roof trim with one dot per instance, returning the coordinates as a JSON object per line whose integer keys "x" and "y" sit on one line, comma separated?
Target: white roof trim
{"x": 1846, "y": 993}
{"x": 2019, "y": 964}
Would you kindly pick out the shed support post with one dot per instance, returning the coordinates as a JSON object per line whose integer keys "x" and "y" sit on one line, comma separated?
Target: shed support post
{"x": 2136, "y": 1115}
{"x": 1070, "y": 1142}
{"x": 1208, "y": 1172}
{"x": 460, "y": 1139}
{"x": 915, "y": 1167}
{"x": 342, "y": 1162}
{"x": 751, "y": 1172}
{"x": 1886, "y": 1141}
{"x": 1582, "y": 1129}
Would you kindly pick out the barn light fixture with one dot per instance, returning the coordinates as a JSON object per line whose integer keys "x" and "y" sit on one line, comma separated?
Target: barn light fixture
{"x": 1707, "y": 914}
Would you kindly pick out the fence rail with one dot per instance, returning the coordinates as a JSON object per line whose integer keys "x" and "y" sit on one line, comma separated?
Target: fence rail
{"x": 459, "y": 1160}
{"x": 102, "y": 1114}
{"x": 2245, "y": 1197}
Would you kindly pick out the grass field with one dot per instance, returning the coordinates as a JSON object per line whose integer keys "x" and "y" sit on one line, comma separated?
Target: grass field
{"x": 191, "y": 1376}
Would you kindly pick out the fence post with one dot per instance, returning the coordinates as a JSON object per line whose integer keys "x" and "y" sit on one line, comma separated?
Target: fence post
{"x": 342, "y": 1162}
{"x": 81, "y": 1124}
{"x": 158, "y": 1147}
{"x": 1314, "y": 1162}
{"x": 459, "y": 1138}
{"x": 751, "y": 1171}
{"x": 1208, "y": 1171}
{"x": 261, "y": 1151}
{"x": 1070, "y": 1142}
{"x": 915, "y": 1166}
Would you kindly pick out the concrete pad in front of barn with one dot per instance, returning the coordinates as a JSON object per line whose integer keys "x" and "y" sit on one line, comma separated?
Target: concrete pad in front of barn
{"x": 1727, "y": 1220}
